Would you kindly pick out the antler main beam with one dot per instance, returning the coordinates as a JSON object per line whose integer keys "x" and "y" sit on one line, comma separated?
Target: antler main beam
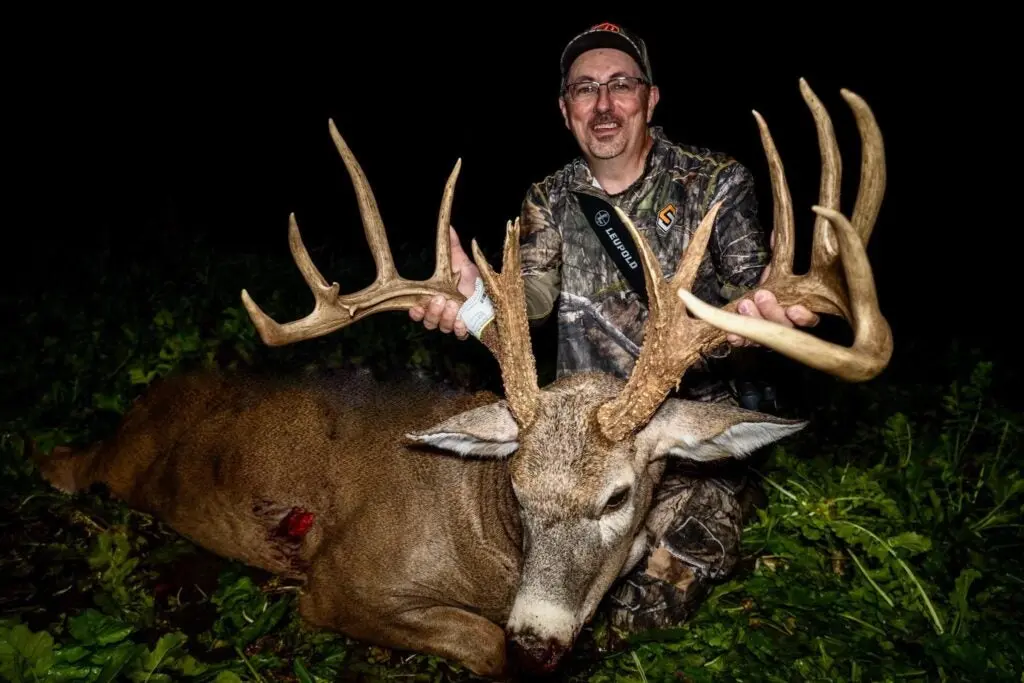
{"x": 673, "y": 341}
{"x": 508, "y": 339}
{"x": 849, "y": 292}
{"x": 388, "y": 292}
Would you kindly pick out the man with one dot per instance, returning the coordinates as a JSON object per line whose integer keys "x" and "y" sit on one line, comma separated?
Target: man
{"x": 607, "y": 101}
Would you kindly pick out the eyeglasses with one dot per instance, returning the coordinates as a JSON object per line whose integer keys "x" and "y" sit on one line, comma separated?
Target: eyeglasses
{"x": 621, "y": 86}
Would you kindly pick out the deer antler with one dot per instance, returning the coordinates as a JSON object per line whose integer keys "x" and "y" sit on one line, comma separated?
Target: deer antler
{"x": 673, "y": 341}
{"x": 513, "y": 349}
{"x": 509, "y": 341}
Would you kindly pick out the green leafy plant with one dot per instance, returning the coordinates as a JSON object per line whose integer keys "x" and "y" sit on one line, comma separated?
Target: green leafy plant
{"x": 888, "y": 547}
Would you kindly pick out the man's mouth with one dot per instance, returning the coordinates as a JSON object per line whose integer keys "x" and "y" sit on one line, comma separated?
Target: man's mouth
{"x": 606, "y": 129}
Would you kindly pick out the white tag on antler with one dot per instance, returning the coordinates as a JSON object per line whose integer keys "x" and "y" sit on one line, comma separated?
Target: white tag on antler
{"x": 477, "y": 312}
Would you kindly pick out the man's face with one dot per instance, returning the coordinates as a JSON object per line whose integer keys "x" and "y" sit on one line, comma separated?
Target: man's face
{"x": 608, "y": 124}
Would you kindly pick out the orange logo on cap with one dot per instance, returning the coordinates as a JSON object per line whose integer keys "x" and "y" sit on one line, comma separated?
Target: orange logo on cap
{"x": 606, "y": 26}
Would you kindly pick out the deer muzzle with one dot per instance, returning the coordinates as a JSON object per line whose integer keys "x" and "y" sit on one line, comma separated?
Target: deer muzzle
{"x": 532, "y": 654}
{"x": 539, "y": 632}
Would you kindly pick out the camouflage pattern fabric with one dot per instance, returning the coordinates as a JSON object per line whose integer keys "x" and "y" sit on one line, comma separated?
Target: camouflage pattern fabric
{"x": 696, "y": 520}
{"x": 600, "y": 319}
{"x": 694, "y": 530}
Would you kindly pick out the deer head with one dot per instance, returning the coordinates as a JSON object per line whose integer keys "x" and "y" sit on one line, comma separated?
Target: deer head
{"x": 583, "y": 498}
{"x": 585, "y": 453}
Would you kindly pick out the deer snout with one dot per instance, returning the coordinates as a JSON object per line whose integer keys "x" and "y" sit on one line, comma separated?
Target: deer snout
{"x": 539, "y": 633}
{"x": 531, "y": 654}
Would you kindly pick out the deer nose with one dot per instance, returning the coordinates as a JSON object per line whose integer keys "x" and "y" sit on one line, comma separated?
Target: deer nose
{"x": 533, "y": 655}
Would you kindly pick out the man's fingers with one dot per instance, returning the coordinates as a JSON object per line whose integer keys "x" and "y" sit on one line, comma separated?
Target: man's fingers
{"x": 745, "y": 307}
{"x": 769, "y": 308}
{"x": 434, "y": 311}
{"x": 447, "y": 322}
{"x": 440, "y": 313}
{"x": 766, "y": 306}
{"x": 802, "y": 316}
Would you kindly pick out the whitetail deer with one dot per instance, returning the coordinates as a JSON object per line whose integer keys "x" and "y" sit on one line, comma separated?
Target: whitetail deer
{"x": 515, "y": 539}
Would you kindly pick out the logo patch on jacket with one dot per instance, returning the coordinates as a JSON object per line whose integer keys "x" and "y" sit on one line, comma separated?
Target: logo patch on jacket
{"x": 666, "y": 217}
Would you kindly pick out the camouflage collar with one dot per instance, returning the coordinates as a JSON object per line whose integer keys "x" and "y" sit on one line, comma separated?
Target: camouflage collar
{"x": 583, "y": 178}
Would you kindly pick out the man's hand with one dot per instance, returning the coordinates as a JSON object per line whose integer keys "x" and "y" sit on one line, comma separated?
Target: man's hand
{"x": 765, "y": 305}
{"x": 440, "y": 312}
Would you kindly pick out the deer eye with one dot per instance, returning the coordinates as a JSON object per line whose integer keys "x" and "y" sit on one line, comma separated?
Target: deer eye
{"x": 616, "y": 500}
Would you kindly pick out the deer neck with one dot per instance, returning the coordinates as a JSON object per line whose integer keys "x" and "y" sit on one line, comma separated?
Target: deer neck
{"x": 502, "y": 505}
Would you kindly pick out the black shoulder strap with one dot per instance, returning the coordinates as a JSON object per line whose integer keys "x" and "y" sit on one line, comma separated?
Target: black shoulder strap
{"x": 616, "y": 240}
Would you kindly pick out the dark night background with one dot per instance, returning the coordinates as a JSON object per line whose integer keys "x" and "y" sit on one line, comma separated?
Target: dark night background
{"x": 134, "y": 137}
{"x": 155, "y": 155}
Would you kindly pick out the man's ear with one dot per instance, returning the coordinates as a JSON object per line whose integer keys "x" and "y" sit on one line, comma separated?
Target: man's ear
{"x": 653, "y": 96}
{"x": 564, "y": 110}
{"x": 489, "y": 431}
{"x": 705, "y": 432}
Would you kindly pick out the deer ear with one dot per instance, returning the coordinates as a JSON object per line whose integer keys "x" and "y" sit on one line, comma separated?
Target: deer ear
{"x": 489, "y": 431}
{"x": 704, "y": 432}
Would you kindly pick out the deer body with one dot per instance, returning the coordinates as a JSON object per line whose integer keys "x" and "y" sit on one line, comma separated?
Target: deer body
{"x": 406, "y": 546}
{"x": 461, "y": 524}
{"x": 395, "y": 533}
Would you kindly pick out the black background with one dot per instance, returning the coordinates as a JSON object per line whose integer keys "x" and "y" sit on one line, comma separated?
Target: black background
{"x": 126, "y": 128}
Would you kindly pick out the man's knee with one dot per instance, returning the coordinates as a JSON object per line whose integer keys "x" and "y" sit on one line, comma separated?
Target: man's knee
{"x": 706, "y": 536}
{"x": 694, "y": 528}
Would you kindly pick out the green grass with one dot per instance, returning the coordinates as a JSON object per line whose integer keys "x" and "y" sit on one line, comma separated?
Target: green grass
{"x": 893, "y": 555}
{"x": 888, "y": 550}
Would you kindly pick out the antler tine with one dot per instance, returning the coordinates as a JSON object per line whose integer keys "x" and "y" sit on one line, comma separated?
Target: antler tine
{"x": 783, "y": 230}
{"x": 824, "y": 248}
{"x": 443, "y": 247}
{"x": 373, "y": 224}
{"x": 872, "y": 166}
{"x": 274, "y": 333}
{"x": 686, "y": 274}
{"x": 668, "y": 345}
{"x": 511, "y": 345}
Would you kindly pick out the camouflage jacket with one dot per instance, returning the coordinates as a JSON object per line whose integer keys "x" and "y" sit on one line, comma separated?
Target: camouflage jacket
{"x": 600, "y": 319}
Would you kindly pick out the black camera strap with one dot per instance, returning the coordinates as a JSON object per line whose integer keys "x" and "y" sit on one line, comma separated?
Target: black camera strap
{"x": 616, "y": 240}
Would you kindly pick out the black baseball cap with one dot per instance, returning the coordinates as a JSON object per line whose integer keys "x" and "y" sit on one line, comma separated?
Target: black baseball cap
{"x": 608, "y": 35}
